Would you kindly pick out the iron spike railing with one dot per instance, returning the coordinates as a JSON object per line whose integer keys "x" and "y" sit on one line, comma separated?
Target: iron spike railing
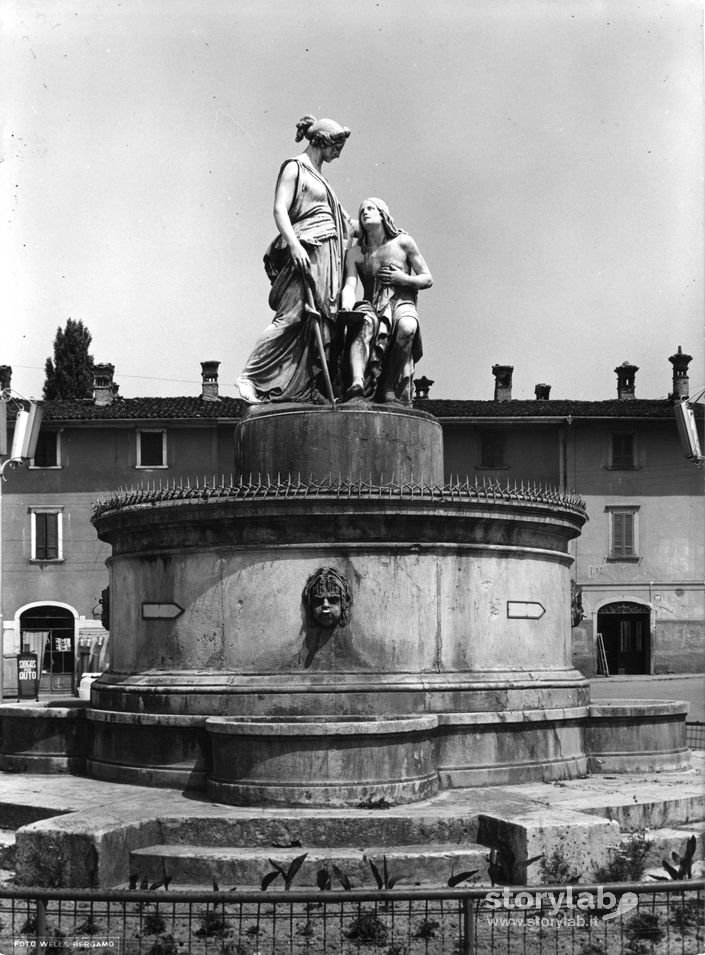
{"x": 287, "y": 488}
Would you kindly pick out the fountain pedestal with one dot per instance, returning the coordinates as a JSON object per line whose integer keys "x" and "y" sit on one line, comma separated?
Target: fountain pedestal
{"x": 452, "y": 668}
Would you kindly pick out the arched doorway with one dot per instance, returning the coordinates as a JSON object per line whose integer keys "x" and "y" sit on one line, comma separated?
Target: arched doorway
{"x": 48, "y": 631}
{"x": 626, "y": 632}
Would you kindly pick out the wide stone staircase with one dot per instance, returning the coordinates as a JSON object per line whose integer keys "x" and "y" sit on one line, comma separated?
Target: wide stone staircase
{"x": 114, "y": 835}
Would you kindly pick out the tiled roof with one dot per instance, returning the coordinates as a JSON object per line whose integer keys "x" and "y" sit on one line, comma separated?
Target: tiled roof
{"x": 132, "y": 409}
{"x": 189, "y": 408}
{"x": 615, "y": 408}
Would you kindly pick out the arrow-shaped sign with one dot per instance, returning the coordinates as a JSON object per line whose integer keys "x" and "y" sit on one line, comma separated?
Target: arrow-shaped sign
{"x": 525, "y": 610}
{"x": 154, "y": 611}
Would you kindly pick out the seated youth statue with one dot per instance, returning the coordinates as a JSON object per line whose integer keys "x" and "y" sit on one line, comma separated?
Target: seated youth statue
{"x": 382, "y": 339}
{"x": 305, "y": 267}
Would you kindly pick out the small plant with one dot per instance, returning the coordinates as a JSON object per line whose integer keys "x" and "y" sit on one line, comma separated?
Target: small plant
{"x": 89, "y": 927}
{"x": 166, "y": 881}
{"x": 592, "y": 948}
{"x": 342, "y": 878}
{"x": 461, "y": 877}
{"x": 324, "y": 881}
{"x": 231, "y": 947}
{"x": 627, "y": 860}
{"x": 396, "y": 950}
{"x": 372, "y": 802}
{"x": 154, "y": 924}
{"x": 384, "y": 879}
{"x": 165, "y": 945}
{"x": 253, "y": 930}
{"x": 504, "y": 868}
{"x": 212, "y": 925}
{"x": 688, "y": 915}
{"x": 556, "y": 870}
{"x": 367, "y": 929}
{"x": 644, "y": 929}
{"x": 684, "y": 862}
{"x": 306, "y": 930}
{"x": 427, "y": 929}
{"x": 287, "y": 874}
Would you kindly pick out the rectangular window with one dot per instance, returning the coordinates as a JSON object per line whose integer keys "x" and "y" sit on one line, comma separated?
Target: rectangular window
{"x": 623, "y": 533}
{"x": 622, "y": 455}
{"x": 47, "y": 453}
{"x": 492, "y": 449}
{"x": 151, "y": 449}
{"x": 47, "y": 539}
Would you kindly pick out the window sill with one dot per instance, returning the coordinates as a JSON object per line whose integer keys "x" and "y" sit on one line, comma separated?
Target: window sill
{"x": 491, "y": 467}
{"x": 151, "y": 467}
{"x": 46, "y": 467}
{"x": 623, "y": 560}
{"x": 623, "y": 467}
{"x": 46, "y": 560}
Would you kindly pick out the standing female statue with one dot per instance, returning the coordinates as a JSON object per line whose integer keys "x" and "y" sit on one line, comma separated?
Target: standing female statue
{"x": 305, "y": 266}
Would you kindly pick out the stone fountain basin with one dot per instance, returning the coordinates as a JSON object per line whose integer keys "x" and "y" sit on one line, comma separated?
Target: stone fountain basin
{"x": 636, "y": 736}
{"x": 322, "y": 760}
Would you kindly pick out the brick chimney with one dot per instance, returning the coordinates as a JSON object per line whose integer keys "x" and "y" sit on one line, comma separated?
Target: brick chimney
{"x": 422, "y": 386}
{"x": 681, "y": 382}
{"x": 502, "y": 382}
{"x": 5, "y": 377}
{"x": 625, "y": 380}
{"x": 104, "y": 391}
{"x": 542, "y": 392}
{"x": 209, "y": 375}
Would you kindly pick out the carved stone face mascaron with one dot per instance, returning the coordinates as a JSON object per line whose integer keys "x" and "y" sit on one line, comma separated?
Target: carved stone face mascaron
{"x": 327, "y": 598}
{"x": 326, "y": 609}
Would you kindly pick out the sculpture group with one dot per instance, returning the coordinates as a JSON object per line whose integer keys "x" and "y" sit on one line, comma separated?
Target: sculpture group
{"x": 325, "y": 344}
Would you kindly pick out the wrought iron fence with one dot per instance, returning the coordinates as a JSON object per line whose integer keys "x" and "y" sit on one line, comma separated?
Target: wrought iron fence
{"x": 695, "y": 735}
{"x": 664, "y": 918}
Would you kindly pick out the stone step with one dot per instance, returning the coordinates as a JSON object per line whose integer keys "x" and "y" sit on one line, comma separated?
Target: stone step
{"x": 397, "y": 826}
{"x": 427, "y": 864}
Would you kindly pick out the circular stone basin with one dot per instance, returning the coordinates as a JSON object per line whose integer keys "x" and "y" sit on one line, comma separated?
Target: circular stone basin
{"x": 43, "y": 739}
{"x": 334, "y": 761}
{"x": 636, "y": 736}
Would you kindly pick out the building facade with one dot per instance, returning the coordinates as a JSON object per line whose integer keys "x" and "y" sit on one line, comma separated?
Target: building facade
{"x": 53, "y": 565}
{"x": 639, "y": 562}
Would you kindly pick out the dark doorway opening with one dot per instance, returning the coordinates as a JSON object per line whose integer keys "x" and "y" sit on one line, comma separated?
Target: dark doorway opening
{"x": 48, "y": 631}
{"x": 626, "y": 633}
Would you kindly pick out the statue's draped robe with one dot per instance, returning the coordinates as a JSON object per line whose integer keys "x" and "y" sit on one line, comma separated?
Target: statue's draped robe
{"x": 285, "y": 363}
{"x": 384, "y": 311}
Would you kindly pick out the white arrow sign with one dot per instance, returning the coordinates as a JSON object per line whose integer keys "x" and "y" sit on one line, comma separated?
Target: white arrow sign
{"x": 525, "y": 610}
{"x": 155, "y": 611}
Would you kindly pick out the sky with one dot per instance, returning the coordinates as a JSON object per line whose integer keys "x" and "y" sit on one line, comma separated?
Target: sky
{"x": 546, "y": 155}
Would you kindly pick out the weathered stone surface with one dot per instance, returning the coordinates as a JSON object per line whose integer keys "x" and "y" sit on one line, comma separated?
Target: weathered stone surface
{"x": 637, "y": 735}
{"x": 324, "y": 761}
{"x": 361, "y": 442}
{"x": 428, "y": 864}
{"x": 580, "y": 817}
{"x": 43, "y": 738}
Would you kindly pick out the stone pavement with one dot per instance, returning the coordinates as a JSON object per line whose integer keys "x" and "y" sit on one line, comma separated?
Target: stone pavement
{"x": 74, "y": 829}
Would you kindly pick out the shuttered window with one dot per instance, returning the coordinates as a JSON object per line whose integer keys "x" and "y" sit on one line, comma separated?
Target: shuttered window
{"x": 492, "y": 449}
{"x": 46, "y": 454}
{"x": 151, "y": 449}
{"x": 46, "y": 535}
{"x": 623, "y": 450}
{"x": 623, "y": 533}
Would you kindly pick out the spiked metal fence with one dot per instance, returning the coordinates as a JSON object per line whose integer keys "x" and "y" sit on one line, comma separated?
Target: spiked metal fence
{"x": 288, "y": 488}
{"x": 664, "y": 918}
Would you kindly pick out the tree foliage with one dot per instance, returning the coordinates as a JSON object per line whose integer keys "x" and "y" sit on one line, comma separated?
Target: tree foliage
{"x": 70, "y": 374}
